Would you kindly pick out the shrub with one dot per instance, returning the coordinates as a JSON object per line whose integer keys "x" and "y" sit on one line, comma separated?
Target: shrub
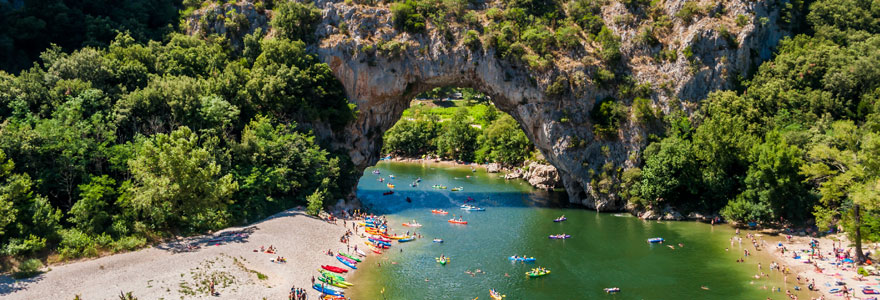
{"x": 742, "y": 20}
{"x": 19, "y": 247}
{"x": 536, "y": 62}
{"x": 295, "y": 20}
{"x": 472, "y": 19}
{"x": 688, "y": 11}
{"x": 610, "y": 45}
{"x": 28, "y": 268}
{"x": 472, "y": 39}
{"x": 495, "y": 14}
{"x": 585, "y": 14}
{"x": 558, "y": 86}
{"x": 727, "y": 36}
{"x": 406, "y": 18}
{"x": 607, "y": 115}
{"x": 538, "y": 38}
{"x": 642, "y": 110}
{"x": 604, "y": 77}
{"x": 316, "y": 202}
{"x": 76, "y": 244}
{"x": 646, "y": 36}
{"x": 567, "y": 37}
{"x": 128, "y": 243}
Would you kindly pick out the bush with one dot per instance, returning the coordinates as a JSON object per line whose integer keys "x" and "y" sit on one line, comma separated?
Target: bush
{"x": 28, "y": 268}
{"x": 76, "y": 244}
{"x": 316, "y": 202}
{"x": 19, "y": 247}
{"x": 472, "y": 39}
{"x": 688, "y": 11}
{"x": 567, "y": 37}
{"x": 538, "y": 38}
{"x": 742, "y": 20}
{"x": 604, "y": 77}
{"x": 610, "y": 45}
{"x": 128, "y": 243}
{"x": 741, "y": 210}
{"x": 295, "y": 20}
{"x": 607, "y": 115}
{"x": 558, "y": 86}
{"x": 406, "y": 18}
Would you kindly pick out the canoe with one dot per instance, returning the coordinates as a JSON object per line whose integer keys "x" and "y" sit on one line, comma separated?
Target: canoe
{"x": 457, "y": 222}
{"x": 495, "y": 295}
{"x": 535, "y": 273}
{"x": 560, "y": 219}
{"x": 333, "y": 283}
{"x": 359, "y": 252}
{"x": 439, "y": 211}
{"x": 350, "y": 256}
{"x": 612, "y": 290}
{"x": 334, "y": 269}
{"x": 443, "y": 261}
{"x": 345, "y": 262}
{"x": 411, "y": 238}
{"x": 518, "y": 258}
{"x": 327, "y": 290}
{"x": 655, "y": 240}
{"x": 412, "y": 224}
{"x": 387, "y": 193}
{"x": 329, "y": 274}
{"x": 438, "y": 240}
{"x": 559, "y": 236}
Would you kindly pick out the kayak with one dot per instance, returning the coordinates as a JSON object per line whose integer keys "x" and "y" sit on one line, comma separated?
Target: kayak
{"x": 439, "y": 211}
{"x": 378, "y": 242}
{"x": 381, "y": 246}
{"x": 350, "y": 257}
{"x": 333, "y": 283}
{"x": 334, "y": 269}
{"x": 438, "y": 240}
{"x": 519, "y": 258}
{"x": 394, "y": 237}
{"x": 412, "y": 224}
{"x": 437, "y": 186}
{"x": 495, "y": 295}
{"x": 474, "y": 208}
{"x": 411, "y": 238}
{"x": 390, "y": 186}
{"x": 345, "y": 262}
{"x": 375, "y": 250}
{"x": 359, "y": 252}
{"x": 560, "y": 219}
{"x": 612, "y": 290}
{"x": 327, "y": 290}
{"x": 443, "y": 261}
{"x": 330, "y": 297}
{"x": 560, "y": 236}
{"x": 456, "y": 189}
{"x": 453, "y": 221}
{"x": 381, "y": 239}
{"x": 329, "y": 274}
{"x": 537, "y": 273}
{"x": 655, "y": 240}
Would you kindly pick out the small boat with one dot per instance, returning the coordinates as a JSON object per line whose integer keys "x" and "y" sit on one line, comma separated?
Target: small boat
{"x": 457, "y": 189}
{"x": 474, "y": 208}
{"x": 454, "y": 221}
{"x": 414, "y": 184}
{"x": 341, "y": 257}
{"x": 412, "y": 224}
{"x": 439, "y": 187}
{"x": 335, "y": 276}
{"x": 332, "y": 282}
{"x": 559, "y": 236}
{"x": 380, "y": 246}
{"x": 327, "y": 290}
{"x": 380, "y": 239}
{"x": 465, "y": 206}
{"x": 442, "y": 260}
{"x": 359, "y": 252}
{"x": 438, "y": 240}
{"x": 350, "y": 256}
{"x": 612, "y": 290}
{"x": 655, "y": 240}
{"x": 379, "y": 243}
{"x": 334, "y": 269}
{"x": 419, "y": 179}
{"x": 439, "y": 211}
{"x": 391, "y": 176}
{"x": 495, "y": 295}
{"x": 345, "y": 262}
{"x": 538, "y": 272}
{"x": 870, "y": 291}
{"x": 376, "y": 172}
{"x": 390, "y": 186}
{"x": 330, "y": 297}
{"x": 387, "y": 193}
{"x": 560, "y": 219}
{"x": 375, "y": 250}
{"x": 411, "y": 238}
{"x": 521, "y": 258}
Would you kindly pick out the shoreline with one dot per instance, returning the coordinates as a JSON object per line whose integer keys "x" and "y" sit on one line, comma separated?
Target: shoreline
{"x": 828, "y": 275}
{"x": 231, "y": 257}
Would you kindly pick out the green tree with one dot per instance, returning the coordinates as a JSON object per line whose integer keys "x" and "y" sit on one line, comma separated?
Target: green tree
{"x": 458, "y": 140}
{"x": 845, "y": 165}
{"x": 504, "y": 142}
{"x": 178, "y": 183}
{"x": 316, "y": 202}
{"x": 296, "y": 20}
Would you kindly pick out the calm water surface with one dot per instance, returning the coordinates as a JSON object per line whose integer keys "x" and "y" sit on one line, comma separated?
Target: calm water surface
{"x": 606, "y": 250}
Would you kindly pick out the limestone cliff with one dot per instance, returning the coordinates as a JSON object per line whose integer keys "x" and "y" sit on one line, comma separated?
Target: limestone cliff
{"x": 382, "y": 69}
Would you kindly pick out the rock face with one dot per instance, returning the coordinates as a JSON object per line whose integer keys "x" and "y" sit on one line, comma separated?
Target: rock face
{"x": 382, "y": 82}
{"x": 542, "y": 176}
{"x": 382, "y": 69}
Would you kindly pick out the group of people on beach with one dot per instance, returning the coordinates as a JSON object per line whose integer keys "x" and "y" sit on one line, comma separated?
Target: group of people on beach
{"x": 297, "y": 294}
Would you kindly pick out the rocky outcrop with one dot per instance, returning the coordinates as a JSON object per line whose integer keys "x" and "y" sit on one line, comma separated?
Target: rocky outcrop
{"x": 382, "y": 69}
{"x": 231, "y": 20}
{"x": 542, "y": 176}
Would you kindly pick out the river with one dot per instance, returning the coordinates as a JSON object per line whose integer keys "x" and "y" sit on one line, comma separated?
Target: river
{"x": 605, "y": 250}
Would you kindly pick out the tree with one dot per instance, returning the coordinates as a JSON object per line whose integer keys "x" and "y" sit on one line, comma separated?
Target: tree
{"x": 846, "y": 167}
{"x": 504, "y": 142}
{"x": 295, "y": 20}
{"x": 178, "y": 184}
{"x": 91, "y": 213}
{"x": 316, "y": 202}
{"x": 458, "y": 140}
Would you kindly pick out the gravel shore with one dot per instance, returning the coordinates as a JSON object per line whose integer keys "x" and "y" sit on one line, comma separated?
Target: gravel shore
{"x": 174, "y": 271}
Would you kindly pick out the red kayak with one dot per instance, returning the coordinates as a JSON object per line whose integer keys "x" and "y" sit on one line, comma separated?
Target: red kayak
{"x": 334, "y": 269}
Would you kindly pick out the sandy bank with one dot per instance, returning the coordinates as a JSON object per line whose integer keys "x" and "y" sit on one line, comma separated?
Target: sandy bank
{"x": 171, "y": 271}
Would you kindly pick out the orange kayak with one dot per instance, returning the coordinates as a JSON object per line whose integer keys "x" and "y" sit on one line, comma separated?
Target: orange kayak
{"x": 439, "y": 211}
{"x": 453, "y": 221}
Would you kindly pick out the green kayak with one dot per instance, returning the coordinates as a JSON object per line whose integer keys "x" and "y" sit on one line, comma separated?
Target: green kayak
{"x": 335, "y": 276}
{"x": 333, "y": 282}
{"x": 537, "y": 273}
{"x": 350, "y": 256}
{"x": 442, "y": 261}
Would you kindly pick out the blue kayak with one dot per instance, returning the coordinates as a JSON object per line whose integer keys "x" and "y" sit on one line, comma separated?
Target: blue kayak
{"x": 655, "y": 240}
{"x": 375, "y": 241}
{"x": 525, "y": 259}
{"x": 327, "y": 290}
{"x": 406, "y": 239}
{"x": 345, "y": 262}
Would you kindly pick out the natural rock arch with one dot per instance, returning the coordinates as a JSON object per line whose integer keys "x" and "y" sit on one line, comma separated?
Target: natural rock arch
{"x": 381, "y": 82}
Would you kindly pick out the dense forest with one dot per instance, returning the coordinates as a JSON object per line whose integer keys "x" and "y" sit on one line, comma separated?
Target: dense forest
{"x": 108, "y": 148}
{"x": 118, "y": 130}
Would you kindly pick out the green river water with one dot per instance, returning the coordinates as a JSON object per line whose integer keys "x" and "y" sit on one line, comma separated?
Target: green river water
{"x": 606, "y": 250}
